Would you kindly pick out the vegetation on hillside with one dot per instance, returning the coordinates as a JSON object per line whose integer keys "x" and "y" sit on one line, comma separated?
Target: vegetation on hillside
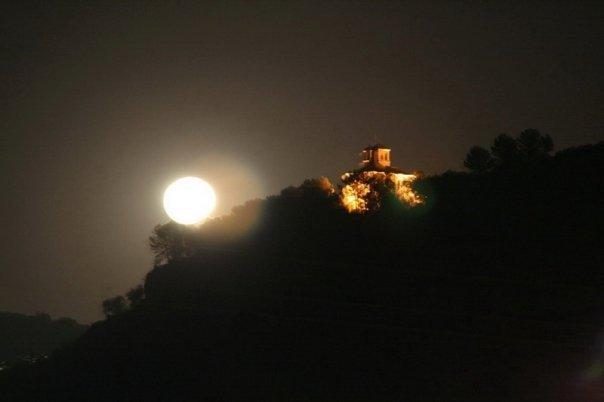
{"x": 30, "y": 338}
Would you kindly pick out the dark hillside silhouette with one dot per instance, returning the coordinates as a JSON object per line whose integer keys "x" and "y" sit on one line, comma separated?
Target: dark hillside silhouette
{"x": 490, "y": 291}
{"x": 29, "y": 338}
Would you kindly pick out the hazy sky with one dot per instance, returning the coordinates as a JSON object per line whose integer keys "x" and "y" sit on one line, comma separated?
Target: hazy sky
{"x": 104, "y": 105}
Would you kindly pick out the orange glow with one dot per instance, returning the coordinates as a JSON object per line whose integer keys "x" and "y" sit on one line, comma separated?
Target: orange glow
{"x": 403, "y": 189}
{"x": 354, "y": 196}
{"x": 360, "y": 191}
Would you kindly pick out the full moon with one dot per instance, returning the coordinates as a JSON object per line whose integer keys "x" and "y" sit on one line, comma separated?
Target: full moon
{"x": 189, "y": 200}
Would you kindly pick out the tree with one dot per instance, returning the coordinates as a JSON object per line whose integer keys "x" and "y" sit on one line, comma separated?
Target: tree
{"x": 114, "y": 306}
{"x": 168, "y": 242}
{"x": 533, "y": 145}
{"x": 311, "y": 188}
{"x": 479, "y": 160}
{"x": 136, "y": 295}
{"x": 505, "y": 150}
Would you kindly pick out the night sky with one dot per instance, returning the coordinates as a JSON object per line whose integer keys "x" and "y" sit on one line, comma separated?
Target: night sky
{"x": 103, "y": 106}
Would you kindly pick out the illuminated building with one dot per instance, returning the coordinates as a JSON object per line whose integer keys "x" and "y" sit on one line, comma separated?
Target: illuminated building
{"x": 362, "y": 188}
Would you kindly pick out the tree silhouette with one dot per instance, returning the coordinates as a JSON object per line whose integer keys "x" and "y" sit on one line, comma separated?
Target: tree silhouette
{"x": 479, "y": 160}
{"x": 136, "y": 295}
{"x": 533, "y": 145}
{"x": 528, "y": 148}
{"x": 168, "y": 242}
{"x": 505, "y": 150}
{"x": 311, "y": 188}
{"x": 114, "y": 306}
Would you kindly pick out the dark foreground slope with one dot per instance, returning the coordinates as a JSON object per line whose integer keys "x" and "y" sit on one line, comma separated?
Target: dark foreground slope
{"x": 491, "y": 291}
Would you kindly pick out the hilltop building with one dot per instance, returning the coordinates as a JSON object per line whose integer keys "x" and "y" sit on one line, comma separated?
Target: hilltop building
{"x": 361, "y": 191}
{"x": 375, "y": 156}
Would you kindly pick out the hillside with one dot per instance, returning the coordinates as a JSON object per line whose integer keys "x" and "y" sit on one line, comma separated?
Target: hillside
{"x": 30, "y": 338}
{"x": 490, "y": 290}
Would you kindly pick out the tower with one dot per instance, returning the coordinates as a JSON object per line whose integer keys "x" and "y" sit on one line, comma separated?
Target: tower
{"x": 376, "y": 157}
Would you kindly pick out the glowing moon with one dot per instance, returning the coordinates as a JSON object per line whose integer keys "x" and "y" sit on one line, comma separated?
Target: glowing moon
{"x": 189, "y": 200}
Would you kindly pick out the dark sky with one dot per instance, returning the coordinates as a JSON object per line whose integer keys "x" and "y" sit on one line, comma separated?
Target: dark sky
{"x": 104, "y": 105}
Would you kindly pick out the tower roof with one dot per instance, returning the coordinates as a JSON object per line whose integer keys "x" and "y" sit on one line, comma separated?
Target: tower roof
{"x": 375, "y": 147}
